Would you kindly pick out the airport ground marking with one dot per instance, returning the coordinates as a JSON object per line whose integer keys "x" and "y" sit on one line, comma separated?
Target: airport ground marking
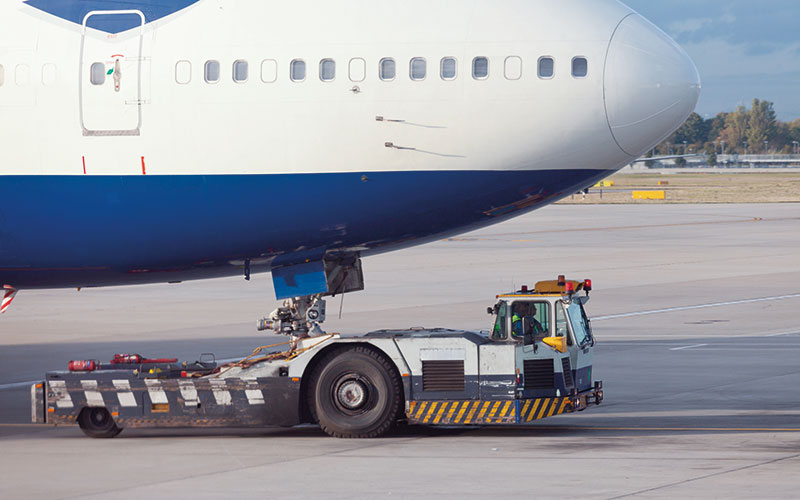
{"x": 699, "y": 306}
{"x": 687, "y": 347}
{"x": 706, "y": 476}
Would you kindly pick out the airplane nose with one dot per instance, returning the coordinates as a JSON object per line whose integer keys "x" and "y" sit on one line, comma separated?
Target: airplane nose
{"x": 651, "y": 85}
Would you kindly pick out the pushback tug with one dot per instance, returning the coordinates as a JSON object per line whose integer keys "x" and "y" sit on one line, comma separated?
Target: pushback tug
{"x": 535, "y": 362}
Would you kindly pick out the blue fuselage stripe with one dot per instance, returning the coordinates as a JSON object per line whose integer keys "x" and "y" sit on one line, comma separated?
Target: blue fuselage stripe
{"x": 102, "y": 230}
{"x": 76, "y": 11}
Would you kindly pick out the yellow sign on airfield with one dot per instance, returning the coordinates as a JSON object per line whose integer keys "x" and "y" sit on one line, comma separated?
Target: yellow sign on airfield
{"x": 649, "y": 195}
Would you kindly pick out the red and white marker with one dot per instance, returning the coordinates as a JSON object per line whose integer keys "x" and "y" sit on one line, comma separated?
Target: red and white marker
{"x": 8, "y": 297}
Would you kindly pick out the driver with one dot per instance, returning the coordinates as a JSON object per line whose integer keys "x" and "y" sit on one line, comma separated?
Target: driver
{"x": 525, "y": 310}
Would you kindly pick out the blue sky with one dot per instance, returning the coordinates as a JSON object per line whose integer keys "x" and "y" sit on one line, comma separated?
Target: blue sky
{"x": 743, "y": 49}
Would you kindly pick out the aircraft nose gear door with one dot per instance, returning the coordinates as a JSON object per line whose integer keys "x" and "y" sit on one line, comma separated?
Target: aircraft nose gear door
{"x": 111, "y": 73}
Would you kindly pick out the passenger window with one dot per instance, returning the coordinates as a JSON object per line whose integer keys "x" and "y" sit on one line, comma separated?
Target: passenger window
{"x": 211, "y": 71}
{"x": 448, "y": 68}
{"x": 2, "y": 75}
{"x": 546, "y": 67}
{"x": 580, "y": 67}
{"x": 480, "y": 68}
{"x": 298, "y": 70}
{"x": 97, "y": 74}
{"x": 535, "y": 316}
{"x": 418, "y": 68}
{"x": 358, "y": 70}
{"x": 49, "y": 74}
{"x": 327, "y": 70}
{"x": 183, "y": 72}
{"x": 387, "y": 69}
{"x": 499, "y": 331}
{"x": 269, "y": 70}
{"x": 513, "y": 69}
{"x": 241, "y": 71}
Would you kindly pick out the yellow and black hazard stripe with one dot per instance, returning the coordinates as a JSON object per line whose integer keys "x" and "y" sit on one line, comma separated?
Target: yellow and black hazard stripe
{"x": 535, "y": 409}
{"x": 484, "y": 412}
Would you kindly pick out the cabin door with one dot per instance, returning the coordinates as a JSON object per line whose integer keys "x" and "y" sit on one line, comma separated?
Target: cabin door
{"x": 112, "y": 65}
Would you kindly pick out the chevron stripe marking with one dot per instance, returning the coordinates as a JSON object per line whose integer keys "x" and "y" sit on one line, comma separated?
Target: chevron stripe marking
{"x": 461, "y": 411}
{"x": 8, "y": 297}
{"x": 472, "y": 411}
{"x": 524, "y": 413}
{"x": 453, "y": 408}
{"x": 421, "y": 410}
{"x": 543, "y": 410}
{"x": 431, "y": 409}
{"x": 483, "y": 410}
{"x": 563, "y": 406}
{"x": 532, "y": 414}
{"x": 553, "y": 408}
{"x": 439, "y": 414}
{"x": 495, "y": 407}
{"x": 506, "y": 407}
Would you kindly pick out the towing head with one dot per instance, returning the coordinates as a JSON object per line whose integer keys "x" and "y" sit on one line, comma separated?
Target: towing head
{"x": 299, "y": 317}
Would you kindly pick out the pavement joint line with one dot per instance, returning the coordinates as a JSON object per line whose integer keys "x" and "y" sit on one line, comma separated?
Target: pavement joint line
{"x": 720, "y": 473}
{"x": 687, "y": 347}
{"x": 698, "y": 306}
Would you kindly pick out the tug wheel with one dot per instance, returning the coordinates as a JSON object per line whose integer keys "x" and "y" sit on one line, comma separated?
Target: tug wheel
{"x": 355, "y": 393}
{"x": 97, "y": 423}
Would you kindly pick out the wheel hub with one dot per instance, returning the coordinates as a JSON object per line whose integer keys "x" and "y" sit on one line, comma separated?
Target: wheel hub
{"x": 352, "y": 394}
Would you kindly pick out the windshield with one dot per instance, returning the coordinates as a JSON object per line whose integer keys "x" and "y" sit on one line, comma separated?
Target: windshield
{"x": 580, "y": 325}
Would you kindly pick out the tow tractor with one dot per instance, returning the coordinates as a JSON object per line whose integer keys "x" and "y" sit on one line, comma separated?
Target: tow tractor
{"x": 535, "y": 362}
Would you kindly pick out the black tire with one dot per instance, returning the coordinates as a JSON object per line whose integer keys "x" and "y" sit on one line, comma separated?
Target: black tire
{"x": 355, "y": 393}
{"x": 97, "y": 422}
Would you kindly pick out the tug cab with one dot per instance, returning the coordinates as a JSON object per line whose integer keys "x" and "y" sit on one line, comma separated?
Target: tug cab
{"x": 551, "y": 336}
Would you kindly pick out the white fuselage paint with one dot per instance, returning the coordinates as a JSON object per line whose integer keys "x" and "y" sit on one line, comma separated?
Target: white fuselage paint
{"x": 316, "y": 126}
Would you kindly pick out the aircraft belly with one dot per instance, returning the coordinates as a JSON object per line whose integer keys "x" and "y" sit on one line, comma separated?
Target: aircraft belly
{"x": 108, "y": 230}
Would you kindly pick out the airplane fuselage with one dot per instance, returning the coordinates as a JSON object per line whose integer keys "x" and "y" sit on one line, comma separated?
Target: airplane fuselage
{"x": 154, "y": 141}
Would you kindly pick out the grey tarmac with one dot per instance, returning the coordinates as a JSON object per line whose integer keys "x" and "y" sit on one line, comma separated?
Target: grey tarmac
{"x": 696, "y": 311}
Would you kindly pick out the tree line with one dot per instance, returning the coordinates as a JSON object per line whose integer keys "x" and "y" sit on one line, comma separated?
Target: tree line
{"x": 744, "y": 131}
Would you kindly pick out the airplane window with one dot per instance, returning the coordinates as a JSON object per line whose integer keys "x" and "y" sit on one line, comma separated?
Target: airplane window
{"x": 211, "y": 71}
{"x": 2, "y": 75}
{"x": 269, "y": 70}
{"x": 480, "y": 68}
{"x": 358, "y": 70}
{"x": 513, "y": 70}
{"x": 49, "y": 74}
{"x": 298, "y": 70}
{"x": 546, "y": 67}
{"x": 97, "y": 74}
{"x": 241, "y": 71}
{"x": 418, "y": 68}
{"x": 580, "y": 67}
{"x": 183, "y": 72}
{"x": 387, "y": 69}
{"x": 327, "y": 70}
{"x": 448, "y": 68}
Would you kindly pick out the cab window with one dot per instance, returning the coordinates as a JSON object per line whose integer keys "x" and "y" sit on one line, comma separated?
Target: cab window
{"x": 499, "y": 331}
{"x": 580, "y": 324}
{"x": 562, "y": 330}
{"x": 530, "y": 318}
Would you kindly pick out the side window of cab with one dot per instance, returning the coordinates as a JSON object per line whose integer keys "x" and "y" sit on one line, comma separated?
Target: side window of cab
{"x": 499, "y": 332}
{"x": 562, "y": 330}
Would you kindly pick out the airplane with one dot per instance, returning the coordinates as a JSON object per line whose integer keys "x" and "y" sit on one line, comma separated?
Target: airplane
{"x": 151, "y": 141}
